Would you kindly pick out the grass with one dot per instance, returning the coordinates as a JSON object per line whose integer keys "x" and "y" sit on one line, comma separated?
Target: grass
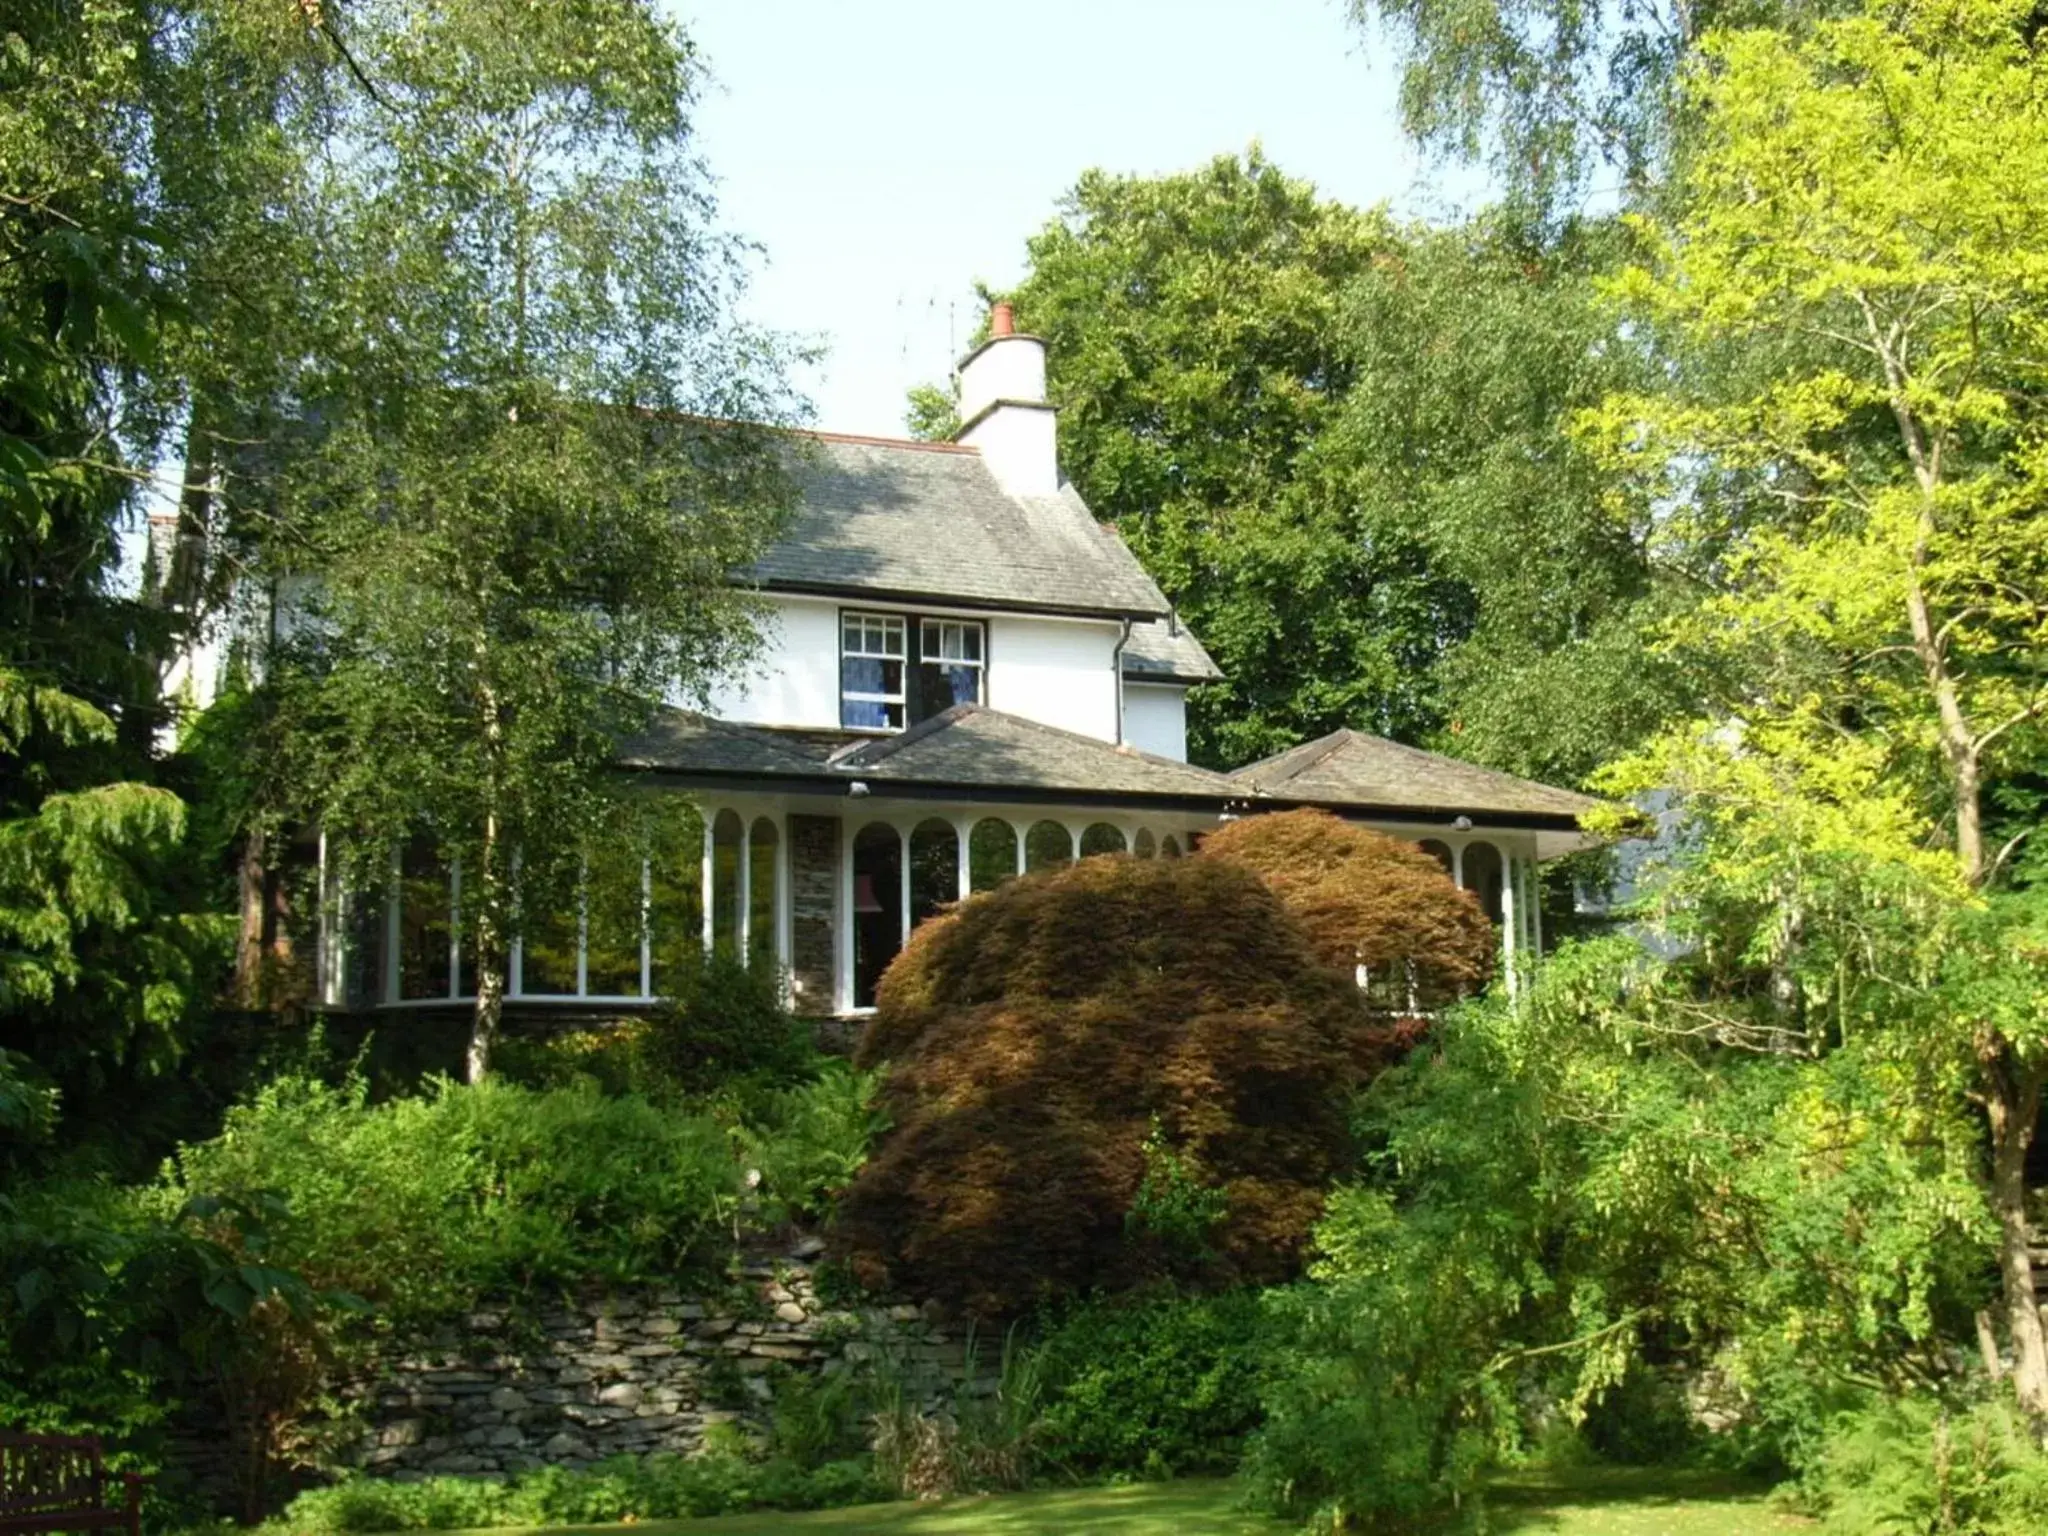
{"x": 1597, "y": 1502}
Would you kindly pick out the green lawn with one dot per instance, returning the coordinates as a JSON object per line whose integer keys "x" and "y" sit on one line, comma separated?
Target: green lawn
{"x": 1605, "y": 1503}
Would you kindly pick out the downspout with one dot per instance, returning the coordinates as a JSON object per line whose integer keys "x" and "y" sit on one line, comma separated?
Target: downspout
{"x": 1116, "y": 660}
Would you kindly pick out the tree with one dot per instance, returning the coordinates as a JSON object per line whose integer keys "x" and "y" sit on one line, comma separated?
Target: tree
{"x": 1340, "y": 447}
{"x": 1370, "y": 904}
{"x": 1470, "y": 354}
{"x": 1548, "y": 92}
{"x": 1862, "y": 224}
{"x": 106, "y": 164}
{"x": 1096, "y": 1076}
{"x": 512, "y": 504}
{"x": 1193, "y": 348}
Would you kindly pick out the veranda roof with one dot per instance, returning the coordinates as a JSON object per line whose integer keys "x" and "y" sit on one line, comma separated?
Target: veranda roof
{"x": 1350, "y": 771}
{"x": 970, "y": 752}
{"x": 966, "y": 752}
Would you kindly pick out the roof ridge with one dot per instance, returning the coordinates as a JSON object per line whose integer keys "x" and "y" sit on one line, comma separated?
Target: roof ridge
{"x": 1328, "y": 743}
{"x": 877, "y": 748}
{"x": 915, "y": 444}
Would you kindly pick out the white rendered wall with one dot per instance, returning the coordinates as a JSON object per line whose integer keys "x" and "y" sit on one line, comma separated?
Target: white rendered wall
{"x": 1058, "y": 672}
{"x": 1019, "y": 445}
{"x": 1156, "y": 719}
{"x": 794, "y": 680}
{"x": 1008, "y": 368}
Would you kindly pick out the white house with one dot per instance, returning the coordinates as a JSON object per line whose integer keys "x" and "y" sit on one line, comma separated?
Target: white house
{"x": 964, "y": 676}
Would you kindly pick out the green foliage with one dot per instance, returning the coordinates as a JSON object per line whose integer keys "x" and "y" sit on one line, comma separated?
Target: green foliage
{"x": 724, "y": 1028}
{"x": 1172, "y": 1208}
{"x": 423, "y": 1204}
{"x": 522, "y": 520}
{"x": 1570, "y": 1189}
{"x": 1920, "y": 1465}
{"x": 622, "y": 1488}
{"x": 1153, "y": 1385}
{"x": 989, "y": 1441}
{"x": 1339, "y": 446}
{"x": 814, "y": 1417}
{"x": 113, "y": 1317}
{"x": 809, "y": 1142}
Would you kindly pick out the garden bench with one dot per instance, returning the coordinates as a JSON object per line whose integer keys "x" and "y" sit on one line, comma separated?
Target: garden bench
{"x": 60, "y": 1483}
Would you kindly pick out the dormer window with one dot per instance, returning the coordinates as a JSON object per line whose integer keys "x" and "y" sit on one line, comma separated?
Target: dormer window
{"x": 948, "y": 665}
{"x": 886, "y": 682}
{"x": 871, "y": 671}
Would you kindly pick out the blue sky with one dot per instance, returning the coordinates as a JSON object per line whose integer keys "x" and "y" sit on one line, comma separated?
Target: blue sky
{"x": 887, "y": 154}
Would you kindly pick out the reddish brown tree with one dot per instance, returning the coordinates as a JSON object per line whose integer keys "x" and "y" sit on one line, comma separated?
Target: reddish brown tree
{"x": 1367, "y": 901}
{"x": 1041, "y": 1034}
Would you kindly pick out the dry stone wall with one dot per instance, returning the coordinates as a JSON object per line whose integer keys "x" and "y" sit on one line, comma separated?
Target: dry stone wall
{"x": 630, "y": 1371}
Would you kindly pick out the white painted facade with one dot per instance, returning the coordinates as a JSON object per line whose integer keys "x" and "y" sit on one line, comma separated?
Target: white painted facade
{"x": 1156, "y": 719}
{"x": 1057, "y": 671}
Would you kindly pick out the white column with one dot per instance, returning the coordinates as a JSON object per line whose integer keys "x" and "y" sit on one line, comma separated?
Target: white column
{"x": 963, "y": 831}
{"x": 903, "y": 863}
{"x": 389, "y": 981}
{"x": 785, "y": 901}
{"x": 1510, "y": 915}
{"x": 1073, "y": 839}
{"x": 745, "y": 915}
{"x": 842, "y": 922}
{"x": 583, "y": 928}
{"x": 646, "y": 923}
{"x": 1017, "y": 835}
{"x": 710, "y": 816}
{"x": 1458, "y": 865}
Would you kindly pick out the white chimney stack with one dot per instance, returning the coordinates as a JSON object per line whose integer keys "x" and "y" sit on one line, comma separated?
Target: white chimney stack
{"x": 1003, "y": 409}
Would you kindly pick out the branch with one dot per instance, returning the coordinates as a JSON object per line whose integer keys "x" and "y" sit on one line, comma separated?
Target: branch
{"x": 1510, "y": 1356}
{"x": 2031, "y": 712}
{"x": 316, "y": 17}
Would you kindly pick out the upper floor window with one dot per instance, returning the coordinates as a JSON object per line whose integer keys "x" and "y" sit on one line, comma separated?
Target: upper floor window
{"x": 948, "y": 665}
{"x": 886, "y": 682}
{"x": 871, "y": 657}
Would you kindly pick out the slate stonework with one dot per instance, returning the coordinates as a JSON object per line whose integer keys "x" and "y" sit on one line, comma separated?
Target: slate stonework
{"x": 814, "y": 893}
{"x": 631, "y": 1371}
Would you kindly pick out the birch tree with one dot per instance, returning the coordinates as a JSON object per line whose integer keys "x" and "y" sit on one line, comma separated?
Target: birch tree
{"x": 507, "y": 517}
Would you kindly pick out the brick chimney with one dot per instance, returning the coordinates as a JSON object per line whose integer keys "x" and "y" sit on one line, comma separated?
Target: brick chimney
{"x": 1003, "y": 410}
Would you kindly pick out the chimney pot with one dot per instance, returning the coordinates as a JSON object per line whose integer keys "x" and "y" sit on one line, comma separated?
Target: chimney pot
{"x": 1002, "y": 321}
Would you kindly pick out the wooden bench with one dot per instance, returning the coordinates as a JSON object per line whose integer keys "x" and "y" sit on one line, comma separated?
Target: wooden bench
{"x": 59, "y": 1483}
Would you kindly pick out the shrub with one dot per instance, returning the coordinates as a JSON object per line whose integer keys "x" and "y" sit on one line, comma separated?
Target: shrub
{"x": 1367, "y": 902}
{"x": 723, "y": 1027}
{"x": 810, "y": 1141}
{"x": 623, "y": 1488}
{"x": 1035, "y": 1034}
{"x": 422, "y": 1204}
{"x": 1157, "y": 1385}
{"x": 1916, "y": 1464}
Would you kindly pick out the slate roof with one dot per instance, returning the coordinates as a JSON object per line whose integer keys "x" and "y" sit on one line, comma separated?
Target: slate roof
{"x": 1349, "y": 769}
{"x": 907, "y": 520}
{"x": 1166, "y": 651}
{"x": 970, "y": 751}
{"x": 968, "y": 748}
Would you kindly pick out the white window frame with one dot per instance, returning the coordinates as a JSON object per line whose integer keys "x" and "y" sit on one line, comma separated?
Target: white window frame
{"x": 852, "y": 618}
{"x": 926, "y": 656}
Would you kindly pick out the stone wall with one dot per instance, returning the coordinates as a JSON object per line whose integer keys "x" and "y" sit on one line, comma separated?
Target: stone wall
{"x": 630, "y": 1371}
{"x": 813, "y": 897}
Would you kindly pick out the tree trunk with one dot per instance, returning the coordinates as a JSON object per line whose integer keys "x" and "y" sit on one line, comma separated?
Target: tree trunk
{"x": 490, "y": 958}
{"x": 491, "y": 947}
{"x": 251, "y": 950}
{"x": 2013, "y": 1105}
